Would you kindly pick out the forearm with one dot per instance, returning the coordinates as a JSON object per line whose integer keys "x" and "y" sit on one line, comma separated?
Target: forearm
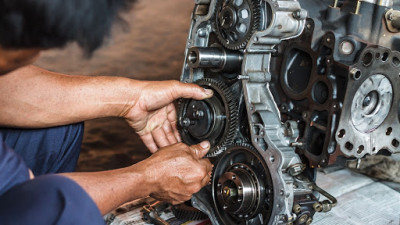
{"x": 33, "y": 97}
{"x": 110, "y": 189}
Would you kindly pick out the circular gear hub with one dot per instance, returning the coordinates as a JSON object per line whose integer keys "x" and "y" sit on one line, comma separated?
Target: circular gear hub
{"x": 236, "y": 21}
{"x": 371, "y": 103}
{"x": 242, "y": 187}
{"x": 214, "y": 119}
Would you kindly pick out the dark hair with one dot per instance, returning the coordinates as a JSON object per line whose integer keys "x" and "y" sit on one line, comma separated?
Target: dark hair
{"x": 54, "y": 23}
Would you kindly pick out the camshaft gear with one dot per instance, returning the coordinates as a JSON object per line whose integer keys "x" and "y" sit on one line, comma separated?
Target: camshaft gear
{"x": 236, "y": 21}
{"x": 214, "y": 119}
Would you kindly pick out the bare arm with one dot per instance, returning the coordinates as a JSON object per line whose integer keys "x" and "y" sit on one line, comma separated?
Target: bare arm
{"x": 172, "y": 174}
{"x": 34, "y": 97}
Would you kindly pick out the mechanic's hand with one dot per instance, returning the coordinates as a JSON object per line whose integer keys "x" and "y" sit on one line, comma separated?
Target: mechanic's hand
{"x": 178, "y": 171}
{"x": 153, "y": 116}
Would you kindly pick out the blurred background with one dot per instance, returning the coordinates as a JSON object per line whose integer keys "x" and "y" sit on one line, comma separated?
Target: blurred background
{"x": 149, "y": 47}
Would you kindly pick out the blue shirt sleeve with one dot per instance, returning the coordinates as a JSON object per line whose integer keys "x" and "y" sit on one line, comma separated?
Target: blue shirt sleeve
{"x": 13, "y": 169}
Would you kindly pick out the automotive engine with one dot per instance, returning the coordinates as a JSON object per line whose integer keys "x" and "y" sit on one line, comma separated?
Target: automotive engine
{"x": 296, "y": 85}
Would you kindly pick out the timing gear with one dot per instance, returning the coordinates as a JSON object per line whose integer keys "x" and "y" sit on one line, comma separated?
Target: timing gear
{"x": 187, "y": 212}
{"x": 242, "y": 187}
{"x": 214, "y": 119}
{"x": 236, "y": 21}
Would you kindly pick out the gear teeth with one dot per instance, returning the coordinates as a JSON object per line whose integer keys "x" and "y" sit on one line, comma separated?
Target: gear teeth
{"x": 256, "y": 18}
{"x": 185, "y": 212}
{"x": 231, "y": 110}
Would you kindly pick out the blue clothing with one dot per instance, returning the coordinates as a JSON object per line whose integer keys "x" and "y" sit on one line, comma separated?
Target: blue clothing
{"x": 47, "y": 199}
{"x": 13, "y": 170}
{"x": 50, "y": 150}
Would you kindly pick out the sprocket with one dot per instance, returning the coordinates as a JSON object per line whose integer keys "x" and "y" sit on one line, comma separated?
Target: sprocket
{"x": 236, "y": 21}
{"x": 214, "y": 119}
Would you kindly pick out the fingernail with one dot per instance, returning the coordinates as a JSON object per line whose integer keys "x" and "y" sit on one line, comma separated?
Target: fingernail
{"x": 205, "y": 144}
{"x": 208, "y": 92}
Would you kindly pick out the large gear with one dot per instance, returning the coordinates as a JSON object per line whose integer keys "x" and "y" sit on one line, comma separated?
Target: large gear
{"x": 214, "y": 119}
{"x": 236, "y": 21}
{"x": 187, "y": 212}
{"x": 242, "y": 187}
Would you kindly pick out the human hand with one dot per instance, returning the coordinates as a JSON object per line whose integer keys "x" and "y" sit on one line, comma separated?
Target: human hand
{"x": 153, "y": 116}
{"x": 176, "y": 172}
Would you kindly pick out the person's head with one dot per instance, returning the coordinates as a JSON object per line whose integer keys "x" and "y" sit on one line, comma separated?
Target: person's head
{"x": 28, "y": 26}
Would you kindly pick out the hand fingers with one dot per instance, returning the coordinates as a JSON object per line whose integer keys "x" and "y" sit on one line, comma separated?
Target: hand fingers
{"x": 160, "y": 137}
{"x": 207, "y": 165}
{"x": 182, "y": 90}
{"x": 172, "y": 118}
{"x": 149, "y": 142}
{"x": 206, "y": 179}
{"x": 167, "y": 127}
{"x": 201, "y": 149}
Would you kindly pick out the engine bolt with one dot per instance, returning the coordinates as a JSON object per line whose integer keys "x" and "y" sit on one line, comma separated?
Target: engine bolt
{"x": 186, "y": 122}
{"x": 303, "y": 218}
{"x": 309, "y": 221}
{"x": 198, "y": 114}
{"x": 346, "y": 47}
{"x": 317, "y": 207}
{"x": 297, "y": 208}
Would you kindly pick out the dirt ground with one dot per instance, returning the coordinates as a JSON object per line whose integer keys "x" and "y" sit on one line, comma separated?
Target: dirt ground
{"x": 150, "y": 47}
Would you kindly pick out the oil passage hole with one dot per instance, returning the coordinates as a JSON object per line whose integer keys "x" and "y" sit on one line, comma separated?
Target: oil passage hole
{"x": 377, "y": 55}
{"x": 395, "y": 143}
{"x": 389, "y": 131}
{"x": 341, "y": 133}
{"x": 360, "y": 149}
{"x": 396, "y": 61}
{"x": 349, "y": 146}
{"x": 367, "y": 58}
{"x": 357, "y": 75}
{"x": 385, "y": 56}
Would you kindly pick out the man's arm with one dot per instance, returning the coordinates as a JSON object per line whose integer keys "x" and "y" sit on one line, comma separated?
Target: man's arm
{"x": 172, "y": 174}
{"x": 32, "y": 97}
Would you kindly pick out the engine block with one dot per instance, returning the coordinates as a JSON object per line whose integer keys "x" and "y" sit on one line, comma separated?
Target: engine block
{"x": 297, "y": 83}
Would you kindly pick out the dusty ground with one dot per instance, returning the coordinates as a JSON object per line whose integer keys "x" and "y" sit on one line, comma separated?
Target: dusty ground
{"x": 151, "y": 47}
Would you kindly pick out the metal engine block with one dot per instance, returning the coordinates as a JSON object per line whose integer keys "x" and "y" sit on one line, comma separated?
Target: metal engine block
{"x": 296, "y": 84}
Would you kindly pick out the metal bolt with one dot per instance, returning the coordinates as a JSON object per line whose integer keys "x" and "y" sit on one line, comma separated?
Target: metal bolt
{"x": 297, "y": 208}
{"x": 328, "y": 40}
{"x": 346, "y": 47}
{"x": 317, "y": 207}
{"x": 303, "y": 218}
{"x": 326, "y": 206}
{"x": 335, "y": 4}
{"x": 243, "y": 77}
{"x": 296, "y": 169}
{"x": 198, "y": 114}
{"x": 309, "y": 221}
{"x": 186, "y": 122}
{"x": 297, "y": 144}
{"x": 300, "y": 14}
{"x": 355, "y": 73}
